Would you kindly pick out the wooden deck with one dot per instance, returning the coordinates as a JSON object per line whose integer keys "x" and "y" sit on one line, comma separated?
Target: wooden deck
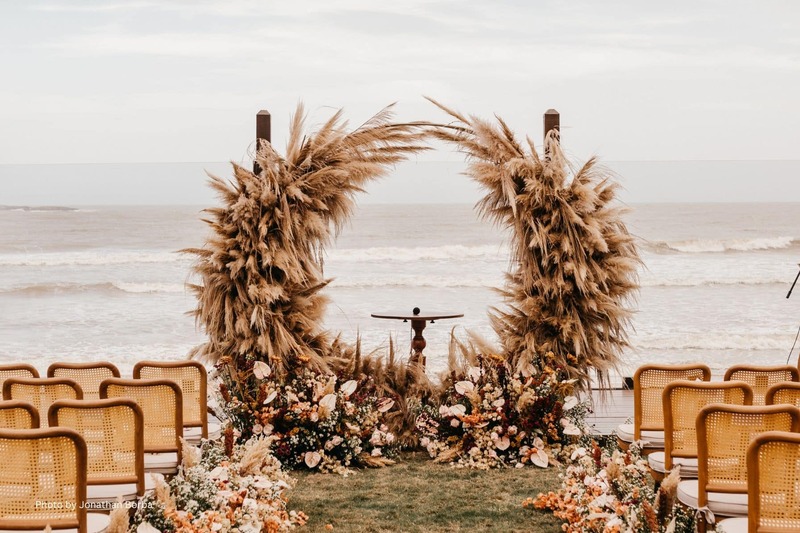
{"x": 611, "y": 407}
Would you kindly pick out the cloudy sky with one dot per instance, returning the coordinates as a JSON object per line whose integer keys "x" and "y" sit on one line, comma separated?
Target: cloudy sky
{"x": 119, "y": 81}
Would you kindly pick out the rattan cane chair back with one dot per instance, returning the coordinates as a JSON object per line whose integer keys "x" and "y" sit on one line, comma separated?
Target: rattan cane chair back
{"x": 114, "y": 433}
{"x": 43, "y": 479}
{"x": 648, "y": 385}
{"x": 16, "y": 414}
{"x": 761, "y": 378}
{"x": 41, "y": 392}
{"x": 17, "y": 370}
{"x": 160, "y": 401}
{"x": 724, "y": 433}
{"x": 192, "y": 378}
{"x": 787, "y": 392}
{"x": 683, "y": 400}
{"x": 773, "y": 482}
{"x": 87, "y": 375}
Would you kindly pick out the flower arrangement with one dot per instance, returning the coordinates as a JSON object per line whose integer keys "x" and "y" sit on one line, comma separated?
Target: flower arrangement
{"x": 498, "y": 416}
{"x": 610, "y": 491}
{"x": 316, "y": 421}
{"x": 214, "y": 491}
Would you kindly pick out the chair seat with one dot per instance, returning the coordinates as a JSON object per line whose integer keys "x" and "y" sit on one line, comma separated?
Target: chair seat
{"x": 732, "y": 525}
{"x": 193, "y": 435}
{"x": 652, "y": 439}
{"x": 161, "y": 463}
{"x": 688, "y": 464}
{"x": 720, "y": 503}
{"x": 95, "y": 523}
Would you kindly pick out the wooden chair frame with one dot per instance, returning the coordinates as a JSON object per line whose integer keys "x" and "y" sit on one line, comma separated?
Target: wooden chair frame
{"x": 654, "y": 421}
{"x": 17, "y": 370}
{"x": 770, "y": 375}
{"x": 162, "y": 369}
{"x": 26, "y": 406}
{"x": 41, "y": 382}
{"x": 669, "y": 415}
{"x": 769, "y": 414}
{"x": 145, "y": 383}
{"x": 79, "y": 373}
{"x": 755, "y": 476}
{"x": 138, "y": 476}
{"x": 778, "y": 388}
{"x": 80, "y": 519}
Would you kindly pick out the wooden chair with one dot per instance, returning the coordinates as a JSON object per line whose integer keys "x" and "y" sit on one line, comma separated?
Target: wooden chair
{"x": 114, "y": 433}
{"x": 761, "y": 378}
{"x": 787, "y": 392}
{"x": 41, "y": 392}
{"x": 17, "y": 370}
{"x": 724, "y": 433}
{"x": 160, "y": 401}
{"x": 648, "y": 413}
{"x": 16, "y": 414}
{"x": 192, "y": 378}
{"x": 773, "y": 486}
{"x": 87, "y": 375}
{"x": 43, "y": 482}
{"x": 682, "y": 401}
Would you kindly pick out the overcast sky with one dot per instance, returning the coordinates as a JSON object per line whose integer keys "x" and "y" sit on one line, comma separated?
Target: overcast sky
{"x": 111, "y": 81}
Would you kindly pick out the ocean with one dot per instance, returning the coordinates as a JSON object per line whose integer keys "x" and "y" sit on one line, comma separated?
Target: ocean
{"x": 108, "y": 283}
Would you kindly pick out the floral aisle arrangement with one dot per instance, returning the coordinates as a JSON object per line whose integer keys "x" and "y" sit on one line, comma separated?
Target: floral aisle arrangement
{"x": 240, "y": 488}
{"x": 316, "y": 420}
{"x": 499, "y": 416}
{"x": 611, "y": 491}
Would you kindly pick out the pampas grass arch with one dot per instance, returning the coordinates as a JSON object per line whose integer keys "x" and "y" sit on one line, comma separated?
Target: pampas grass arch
{"x": 573, "y": 263}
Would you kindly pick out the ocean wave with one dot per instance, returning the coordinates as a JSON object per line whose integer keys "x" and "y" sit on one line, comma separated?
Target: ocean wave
{"x": 44, "y": 289}
{"x": 721, "y": 340}
{"x": 648, "y": 281}
{"x": 37, "y": 208}
{"x": 695, "y": 246}
{"x": 421, "y": 253}
{"x": 88, "y": 258}
{"x": 417, "y": 281}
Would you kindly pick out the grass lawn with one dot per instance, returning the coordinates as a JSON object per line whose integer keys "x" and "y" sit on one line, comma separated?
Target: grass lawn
{"x": 417, "y": 495}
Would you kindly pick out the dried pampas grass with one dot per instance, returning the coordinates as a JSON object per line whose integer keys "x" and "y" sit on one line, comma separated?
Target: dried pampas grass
{"x": 262, "y": 267}
{"x": 573, "y": 264}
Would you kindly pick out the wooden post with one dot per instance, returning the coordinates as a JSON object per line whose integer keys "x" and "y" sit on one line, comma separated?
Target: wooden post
{"x": 552, "y": 121}
{"x": 263, "y": 133}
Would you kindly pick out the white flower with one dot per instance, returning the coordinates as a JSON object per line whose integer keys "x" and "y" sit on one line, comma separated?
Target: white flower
{"x": 579, "y": 452}
{"x": 455, "y": 422}
{"x": 474, "y": 373}
{"x": 257, "y": 429}
{"x": 145, "y": 527}
{"x": 569, "y": 427}
{"x": 314, "y": 416}
{"x": 512, "y": 430}
{"x": 502, "y": 444}
{"x": 499, "y": 403}
{"x": 220, "y": 473}
{"x": 349, "y": 387}
{"x": 261, "y": 370}
{"x": 424, "y": 441}
{"x": 464, "y": 387}
{"x": 376, "y": 452}
{"x": 458, "y": 410}
{"x": 570, "y": 402}
{"x": 445, "y": 411}
{"x": 337, "y": 440}
{"x": 539, "y": 458}
{"x": 312, "y": 459}
{"x": 272, "y": 395}
{"x": 327, "y": 404}
{"x": 384, "y": 404}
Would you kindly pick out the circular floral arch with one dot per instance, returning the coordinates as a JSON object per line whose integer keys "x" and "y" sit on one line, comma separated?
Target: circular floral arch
{"x": 573, "y": 261}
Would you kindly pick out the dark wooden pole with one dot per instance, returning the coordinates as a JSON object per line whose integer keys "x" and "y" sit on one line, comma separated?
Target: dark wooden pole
{"x": 263, "y": 133}
{"x": 552, "y": 121}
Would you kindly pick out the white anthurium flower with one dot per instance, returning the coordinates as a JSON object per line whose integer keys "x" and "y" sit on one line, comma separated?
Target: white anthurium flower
{"x": 464, "y": 387}
{"x": 538, "y": 443}
{"x": 261, "y": 370}
{"x": 445, "y": 411}
{"x": 458, "y": 410}
{"x": 219, "y": 473}
{"x": 384, "y": 404}
{"x": 145, "y": 527}
{"x": 349, "y": 387}
{"x": 257, "y": 429}
{"x": 474, "y": 373}
{"x": 312, "y": 459}
{"x": 572, "y": 430}
{"x": 216, "y": 526}
{"x": 271, "y": 396}
{"x": 503, "y": 443}
{"x": 499, "y": 403}
{"x": 579, "y": 452}
{"x": 527, "y": 370}
{"x": 539, "y": 458}
{"x": 262, "y": 483}
{"x": 570, "y": 402}
{"x": 327, "y": 404}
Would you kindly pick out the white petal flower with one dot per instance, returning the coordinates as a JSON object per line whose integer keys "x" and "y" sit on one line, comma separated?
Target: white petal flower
{"x": 499, "y": 403}
{"x": 327, "y": 404}
{"x": 572, "y": 430}
{"x": 145, "y": 527}
{"x": 458, "y": 410}
{"x": 312, "y": 459}
{"x": 503, "y": 443}
{"x": 474, "y": 373}
{"x": 349, "y": 387}
{"x": 271, "y": 396}
{"x": 464, "y": 387}
{"x": 579, "y": 452}
{"x": 570, "y": 402}
{"x": 384, "y": 404}
{"x": 261, "y": 370}
{"x": 540, "y": 459}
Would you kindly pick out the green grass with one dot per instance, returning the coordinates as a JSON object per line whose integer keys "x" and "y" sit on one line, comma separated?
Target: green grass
{"x": 417, "y": 495}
